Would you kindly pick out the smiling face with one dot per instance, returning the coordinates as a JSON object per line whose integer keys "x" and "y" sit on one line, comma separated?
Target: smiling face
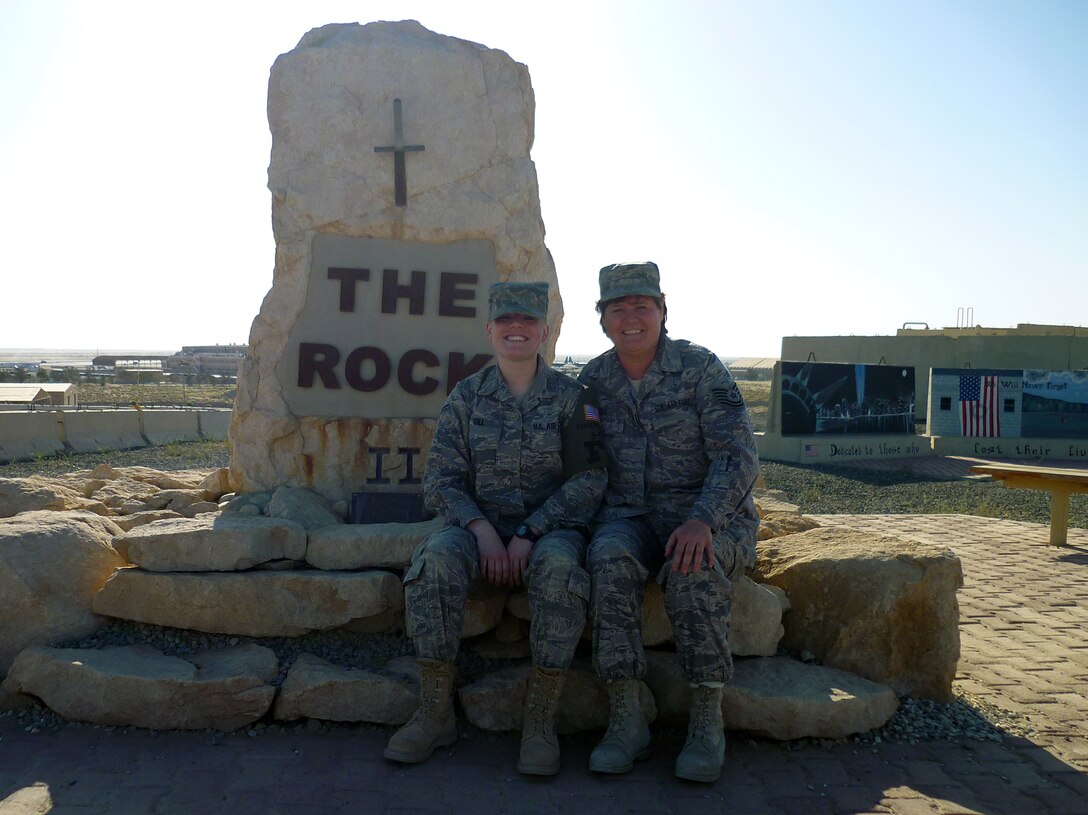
{"x": 634, "y": 325}
{"x": 516, "y": 337}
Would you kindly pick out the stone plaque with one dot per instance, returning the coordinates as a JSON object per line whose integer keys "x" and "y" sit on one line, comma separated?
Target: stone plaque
{"x": 388, "y": 328}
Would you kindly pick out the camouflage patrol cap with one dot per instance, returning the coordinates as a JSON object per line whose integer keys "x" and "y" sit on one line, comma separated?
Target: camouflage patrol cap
{"x": 518, "y": 298}
{"x": 626, "y": 279}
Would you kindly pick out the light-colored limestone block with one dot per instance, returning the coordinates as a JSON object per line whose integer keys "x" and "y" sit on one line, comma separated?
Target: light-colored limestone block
{"x": 882, "y": 607}
{"x": 140, "y": 686}
{"x": 367, "y": 546}
{"x": 51, "y": 565}
{"x": 211, "y": 543}
{"x": 256, "y": 604}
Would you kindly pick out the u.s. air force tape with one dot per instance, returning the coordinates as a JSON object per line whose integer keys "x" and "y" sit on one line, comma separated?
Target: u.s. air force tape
{"x": 730, "y": 397}
{"x": 583, "y": 436}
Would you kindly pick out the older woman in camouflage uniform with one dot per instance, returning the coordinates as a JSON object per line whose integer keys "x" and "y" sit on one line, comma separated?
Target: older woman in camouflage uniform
{"x": 516, "y": 471}
{"x": 678, "y": 506}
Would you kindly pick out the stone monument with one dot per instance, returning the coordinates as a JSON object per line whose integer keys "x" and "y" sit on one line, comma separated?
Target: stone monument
{"x": 401, "y": 189}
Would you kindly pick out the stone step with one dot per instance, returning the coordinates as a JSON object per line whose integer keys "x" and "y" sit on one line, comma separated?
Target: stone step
{"x": 138, "y": 685}
{"x": 255, "y": 604}
{"x": 230, "y": 688}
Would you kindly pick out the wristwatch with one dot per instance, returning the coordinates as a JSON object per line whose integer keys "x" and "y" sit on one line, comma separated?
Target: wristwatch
{"x": 527, "y": 532}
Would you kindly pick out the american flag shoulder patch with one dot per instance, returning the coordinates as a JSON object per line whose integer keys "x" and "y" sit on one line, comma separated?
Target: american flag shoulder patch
{"x": 591, "y": 413}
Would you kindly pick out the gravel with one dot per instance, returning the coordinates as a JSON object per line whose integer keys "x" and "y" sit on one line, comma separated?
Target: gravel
{"x": 816, "y": 489}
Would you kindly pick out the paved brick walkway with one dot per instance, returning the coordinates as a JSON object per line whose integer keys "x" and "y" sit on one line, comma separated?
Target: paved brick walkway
{"x": 1024, "y": 629}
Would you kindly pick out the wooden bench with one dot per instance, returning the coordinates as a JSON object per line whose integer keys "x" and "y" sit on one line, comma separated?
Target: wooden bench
{"x": 1060, "y": 483}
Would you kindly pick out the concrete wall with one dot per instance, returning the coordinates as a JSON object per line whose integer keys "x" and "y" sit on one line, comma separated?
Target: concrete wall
{"x": 25, "y": 434}
{"x": 87, "y": 430}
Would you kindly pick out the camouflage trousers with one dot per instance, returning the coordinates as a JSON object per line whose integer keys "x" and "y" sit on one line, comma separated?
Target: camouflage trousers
{"x": 623, "y": 555}
{"x": 446, "y": 568}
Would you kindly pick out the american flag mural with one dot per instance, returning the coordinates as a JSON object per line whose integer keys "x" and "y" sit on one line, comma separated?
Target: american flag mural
{"x": 979, "y": 406}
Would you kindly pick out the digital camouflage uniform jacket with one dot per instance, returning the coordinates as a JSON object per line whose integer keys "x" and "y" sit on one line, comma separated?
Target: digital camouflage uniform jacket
{"x": 492, "y": 459}
{"x": 683, "y": 448}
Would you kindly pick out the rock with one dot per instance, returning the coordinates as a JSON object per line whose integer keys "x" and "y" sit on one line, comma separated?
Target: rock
{"x": 511, "y": 629}
{"x": 129, "y": 522}
{"x": 220, "y": 543}
{"x": 330, "y": 103}
{"x": 878, "y": 606}
{"x": 217, "y": 484}
{"x": 176, "y": 500}
{"x": 51, "y": 565}
{"x": 781, "y": 698}
{"x": 517, "y": 603}
{"x": 255, "y": 604}
{"x": 36, "y": 493}
{"x": 200, "y": 508}
{"x": 482, "y": 614}
{"x": 140, "y": 686}
{"x": 317, "y": 689}
{"x": 389, "y": 620}
{"x": 305, "y": 507}
{"x": 775, "y": 525}
{"x": 364, "y": 546}
{"x": 754, "y": 628}
{"x": 121, "y": 490}
{"x": 778, "y": 698}
{"x": 254, "y": 503}
{"x": 174, "y": 480}
{"x": 495, "y": 702}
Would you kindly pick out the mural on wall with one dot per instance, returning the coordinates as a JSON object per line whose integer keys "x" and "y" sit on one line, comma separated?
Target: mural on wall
{"x": 1055, "y": 404}
{"x": 981, "y": 403}
{"x": 842, "y": 398}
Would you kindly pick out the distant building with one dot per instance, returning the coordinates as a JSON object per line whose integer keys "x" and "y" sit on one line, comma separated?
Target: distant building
{"x": 61, "y": 393}
{"x": 206, "y": 360}
{"x": 753, "y": 368}
{"x": 22, "y": 395}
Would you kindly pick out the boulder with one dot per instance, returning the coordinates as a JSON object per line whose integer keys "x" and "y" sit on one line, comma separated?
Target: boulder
{"x": 211, "y": 543}
{"x": 177, "y": 500}
{"x": 365, "y": 546}
{"x": 130, "y": 522}
{"x": 36, "y": 493}
{"x": 51, "y": 565}
{"x": 216, "y": 484}
{"x": 778, "y": 698}
{"x": 317, "y": 689}
{"x": 200, "y": 508}
{"x": 253, "y": 503}
{"x": 305, "y": 507}
{"x": 123, "y": 490}
{"x": 878, "y": 606}
{"x": 140, "y": 686}
{"x": 474, "y": 190}
{"x": 173, "y": 480}
{"x": 255, "y": 604}
{"x": 495, "y": 702}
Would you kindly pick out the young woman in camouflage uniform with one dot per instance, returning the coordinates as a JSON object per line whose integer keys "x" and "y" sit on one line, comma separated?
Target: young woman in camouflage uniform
{"x": 515, "y": 500}
{"x": 678, "y": 506}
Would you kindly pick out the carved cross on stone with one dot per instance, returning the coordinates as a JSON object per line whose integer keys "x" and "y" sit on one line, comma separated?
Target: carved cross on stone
{"x": 398, "y": 148}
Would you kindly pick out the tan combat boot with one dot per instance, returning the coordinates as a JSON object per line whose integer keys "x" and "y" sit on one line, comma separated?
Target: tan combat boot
{"x": 704, "y": 751}
{"x": 628, "y": 736}
{"x": 539, "y": 744}
{"x": 433, "y": 725}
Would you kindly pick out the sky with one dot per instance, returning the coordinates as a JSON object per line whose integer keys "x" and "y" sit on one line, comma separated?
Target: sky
{"x": 794, "y": 168}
